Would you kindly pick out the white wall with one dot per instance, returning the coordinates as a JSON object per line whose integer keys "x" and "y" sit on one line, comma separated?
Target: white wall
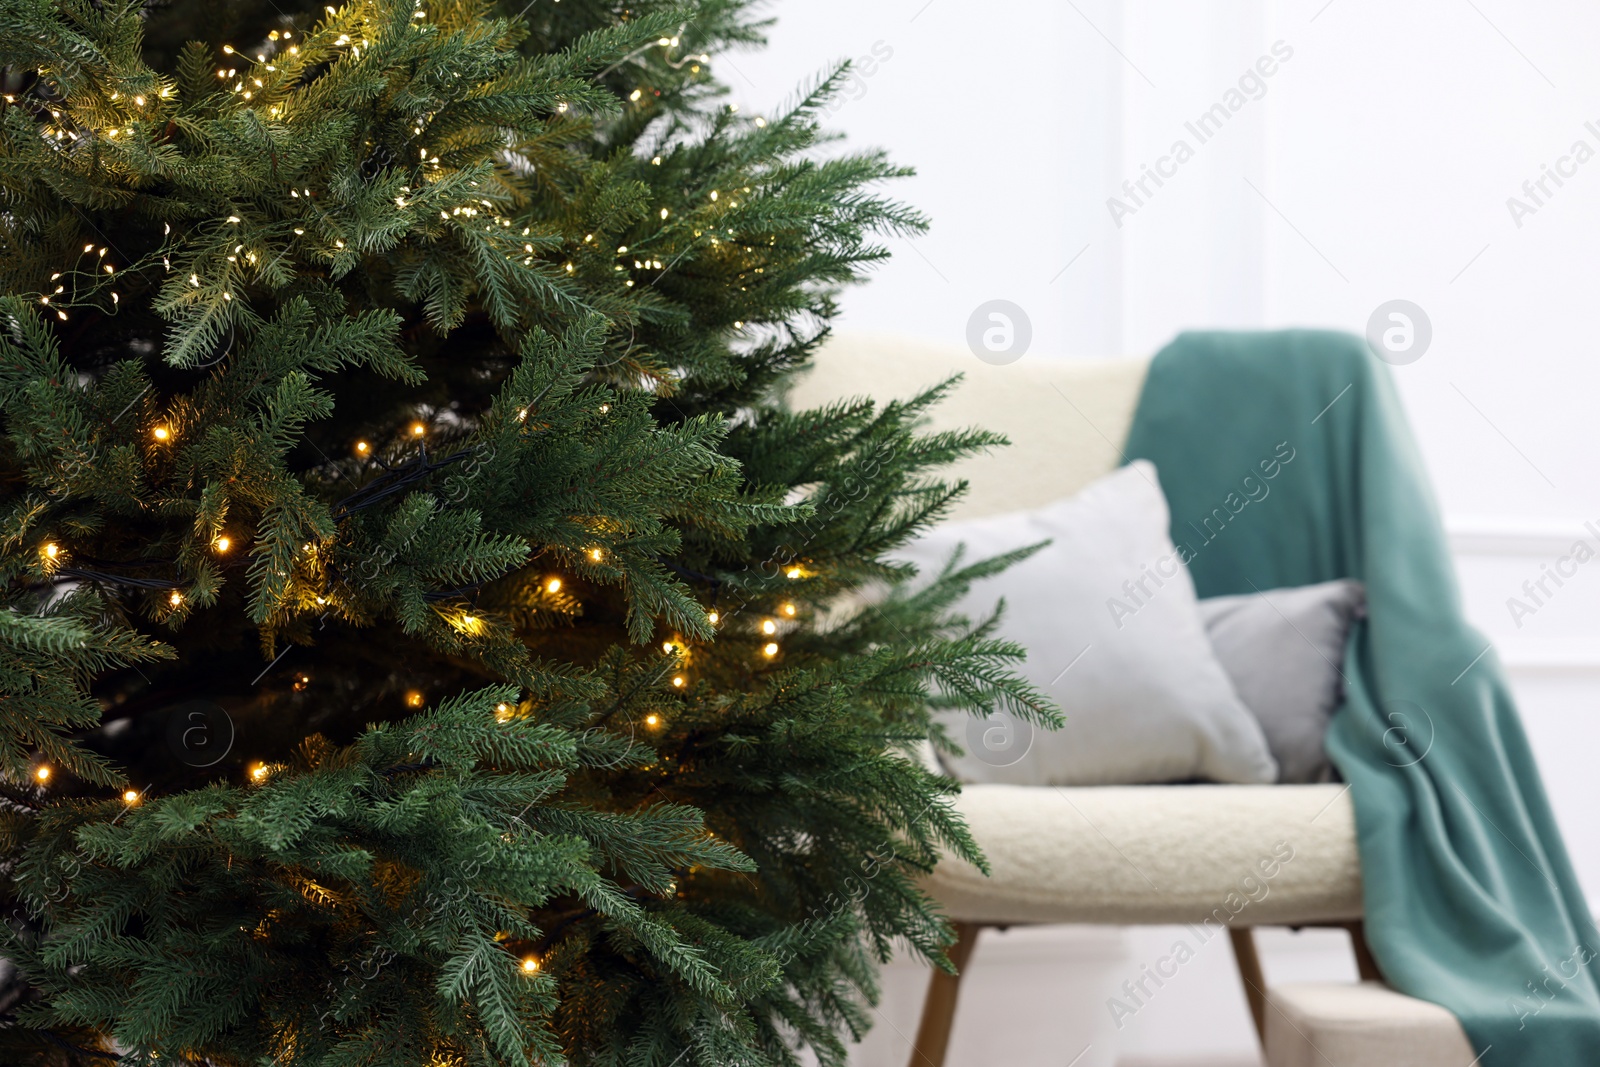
{"x": 1376, "y": 165}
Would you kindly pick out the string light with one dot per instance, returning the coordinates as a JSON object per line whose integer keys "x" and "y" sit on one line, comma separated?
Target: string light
{"x": 42, "y": 773}
{"x": 770, "y": 649}
{"x": 652, "y": 719}
{"x": 130, "y": 797}
{"x": 667, "y": 647}
{"x": 302, "y": 682}
{"x": 414, "y": 698}
{"x": 418, "y": 429}
{"x": 769, "y": 627}
{"x": 713, "y": 617}
{"x": 176, "y": 599}
{"x": 51, "y": 550}
{"x": 222, "y": 544}
{"x": 794, "y": 572}
{"x": 530, "y": 965}
{"x": 788, "y": 609}
{"x": 258, "y": 772}
{"x": 161, "y": 433}
{"x": 597, "y": 554}
{"x": 362, "y": 448}
{"x": 553, "y": 585}
{"x": 678, "y": 680}
{"x": 502, "y": 712}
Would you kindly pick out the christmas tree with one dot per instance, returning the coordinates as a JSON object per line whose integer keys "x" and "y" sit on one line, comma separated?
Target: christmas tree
{"x": 427, "y": 635}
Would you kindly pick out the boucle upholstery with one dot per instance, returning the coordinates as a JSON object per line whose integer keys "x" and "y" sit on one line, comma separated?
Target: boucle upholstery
{"x": 1212, "y": 854}
{"x": 1066, "y": 418}
{"x": 1133, "y": 854}
{"x": 1365, "y": 1025}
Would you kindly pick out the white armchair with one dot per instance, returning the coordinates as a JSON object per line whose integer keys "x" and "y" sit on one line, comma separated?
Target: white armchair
{"x": 1219, "y": 857}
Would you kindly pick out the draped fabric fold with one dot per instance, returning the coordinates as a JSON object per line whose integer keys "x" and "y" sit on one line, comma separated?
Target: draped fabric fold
{"x": 1287, "y": 460}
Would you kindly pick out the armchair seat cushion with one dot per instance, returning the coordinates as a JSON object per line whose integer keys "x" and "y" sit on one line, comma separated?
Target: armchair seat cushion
{"x": 1155, "y": 854}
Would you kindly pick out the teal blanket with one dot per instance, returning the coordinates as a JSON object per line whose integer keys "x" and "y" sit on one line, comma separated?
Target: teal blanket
{"x": 1287, "y": 460}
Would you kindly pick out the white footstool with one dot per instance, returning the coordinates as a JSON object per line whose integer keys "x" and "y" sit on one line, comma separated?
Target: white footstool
{"x": 1324, "y": 1024}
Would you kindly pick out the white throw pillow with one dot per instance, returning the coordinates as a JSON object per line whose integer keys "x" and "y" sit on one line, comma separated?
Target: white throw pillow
{"x": 1108, "y": 614}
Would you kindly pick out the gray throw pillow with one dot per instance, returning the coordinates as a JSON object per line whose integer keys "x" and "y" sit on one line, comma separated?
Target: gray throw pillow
{"x": 1284, "y": 652}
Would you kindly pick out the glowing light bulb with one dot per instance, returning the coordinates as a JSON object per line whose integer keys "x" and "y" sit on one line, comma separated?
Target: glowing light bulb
{"x": 42, "y": 773}
{"x": 553, "y": 585}
{"x": 414, "y": 699}
{"x": 222, "y": 544}
{"x": 794, "y": 572}
{"x": 52, "y": 550}
{"x": 161, "y": 433}
{"x": 769, "y": 627}
{"x": 362, "y": 448}
{"x": 530, "y": 965}
{"x": 666, "y": 646}
{"x": 788, "y": 609}
{"x": 418, "y": 429}
{"x": 130, "y": 797}
{"x": 713, "y": 617}
{"x": 258, "y": 772}
{"x": 502, "y": 712}
{"x": 176, "y": 599}
{"x": 678, "y": 680}
{"x": 652, "y": 719}
{"x": 597, "y": 554}
{"x": 770, "y": 649}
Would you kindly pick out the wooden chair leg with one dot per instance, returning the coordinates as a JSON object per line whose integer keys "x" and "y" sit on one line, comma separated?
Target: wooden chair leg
{"x": 1366, "y": 966}
{"x": 939, "y": 1008}
{"x": 1255, "y": 983}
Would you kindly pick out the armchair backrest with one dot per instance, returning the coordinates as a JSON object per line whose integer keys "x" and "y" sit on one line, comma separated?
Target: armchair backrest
{"x": 1066, "y": 418}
